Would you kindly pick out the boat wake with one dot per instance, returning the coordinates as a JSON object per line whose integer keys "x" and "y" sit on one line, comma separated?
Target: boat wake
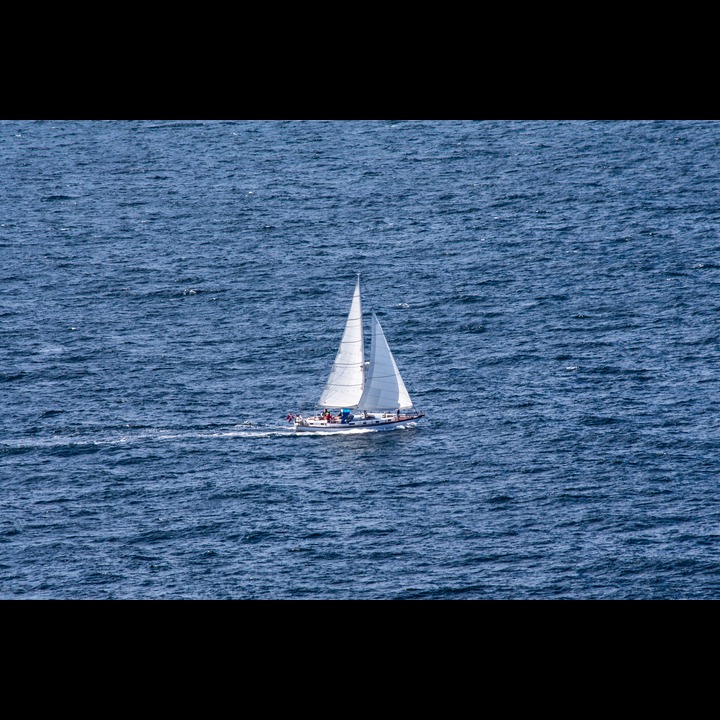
{"x": 92, "y": 441}
{"x": 315, "y": 432}
{"x": 140, "y": 435}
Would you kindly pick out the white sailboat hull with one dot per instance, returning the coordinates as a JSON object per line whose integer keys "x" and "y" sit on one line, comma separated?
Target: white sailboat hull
{"x": 378, "y": 423}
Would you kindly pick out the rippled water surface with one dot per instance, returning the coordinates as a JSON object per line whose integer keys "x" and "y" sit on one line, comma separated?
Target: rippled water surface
{"x": 170, "y": 290}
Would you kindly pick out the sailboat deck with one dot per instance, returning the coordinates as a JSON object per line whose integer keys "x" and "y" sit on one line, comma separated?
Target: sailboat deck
{"x": 378, "y": 421}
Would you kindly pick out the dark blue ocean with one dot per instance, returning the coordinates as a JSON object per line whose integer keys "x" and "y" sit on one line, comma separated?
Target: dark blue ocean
{"x": 171, "y": 289}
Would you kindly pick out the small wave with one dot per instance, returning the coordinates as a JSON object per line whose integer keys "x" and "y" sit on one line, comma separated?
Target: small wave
{"x": 468, "y": 299}
{"x": 173, "y": 124}
{"x": 473, "y": 328}
{"x": 56, "y": 198}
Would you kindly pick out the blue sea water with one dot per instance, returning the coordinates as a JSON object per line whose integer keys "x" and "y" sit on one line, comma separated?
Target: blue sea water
{"x": 171, "y": 289}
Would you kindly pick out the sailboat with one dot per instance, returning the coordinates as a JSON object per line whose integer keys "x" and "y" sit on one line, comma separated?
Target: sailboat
{"x": 358, "y": 394}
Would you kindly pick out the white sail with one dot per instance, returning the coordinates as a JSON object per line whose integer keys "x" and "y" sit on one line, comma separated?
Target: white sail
{"x": 384, "y": 387}
{"x": 347, "y": 377}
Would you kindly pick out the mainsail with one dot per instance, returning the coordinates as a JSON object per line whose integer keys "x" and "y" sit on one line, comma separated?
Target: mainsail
{"x": 347, "y": 377}
{"x": 384, "y": 387}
